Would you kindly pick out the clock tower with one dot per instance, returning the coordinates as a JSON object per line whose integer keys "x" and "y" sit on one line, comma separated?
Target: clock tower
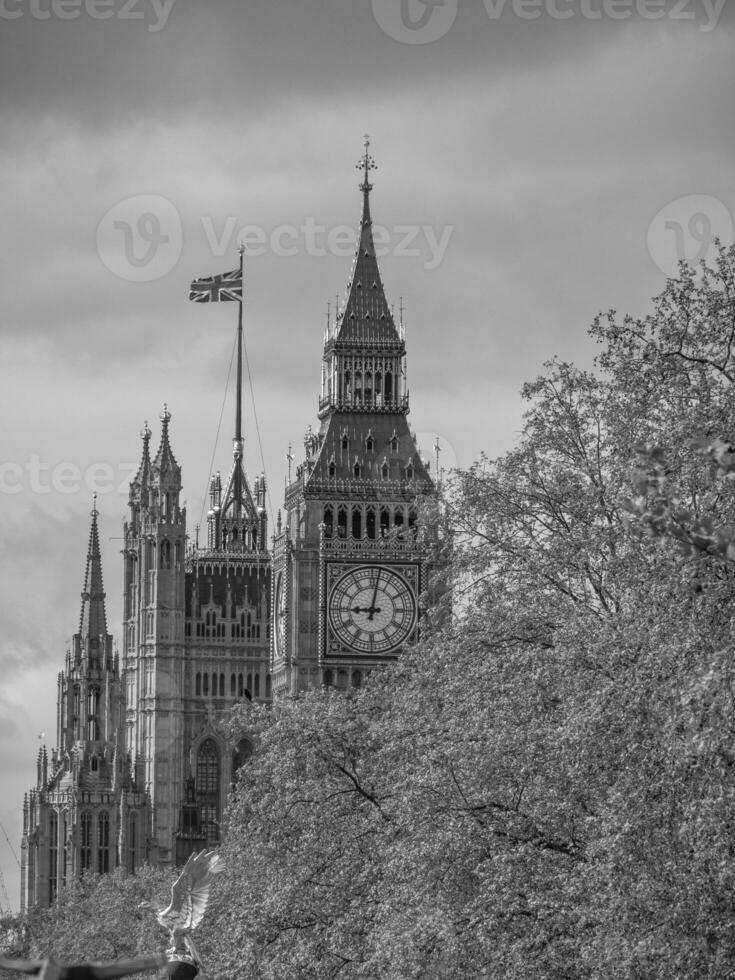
{"x": 348, "y": 561}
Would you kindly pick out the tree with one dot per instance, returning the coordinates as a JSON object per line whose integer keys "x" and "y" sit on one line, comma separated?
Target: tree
{"x": 542, "y": 788}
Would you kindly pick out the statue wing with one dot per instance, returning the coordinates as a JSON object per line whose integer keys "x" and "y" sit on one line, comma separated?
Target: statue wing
{"x": 190, "y": 891}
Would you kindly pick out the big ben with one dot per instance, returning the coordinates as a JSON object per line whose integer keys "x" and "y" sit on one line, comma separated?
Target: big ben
{"x": 348, "y": 562}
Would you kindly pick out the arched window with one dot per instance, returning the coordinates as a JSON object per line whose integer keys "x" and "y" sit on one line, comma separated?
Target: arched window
{"x": 342, "y": 522}
{"x": 85, "y": 853}
{"x": 356, "y": 678}
{"x": 332, "y": 468}
{"x": 93, "y": 728}
{"x": 328, "y": 522}
{"x": 198, "y": 688}
{"x": 132, "y": 841}
{"x": 356, "y": 522}
{"x": 369, "y": 444}
{"x": 64, "y": 852}
{"x": 103, "y": 842}
{"x": 53, "y": 833}
{"x": 207, "y": 788}
{"x": 205, "y": 684}
{"x": 249, "y": 685}
{"x": 239, "y": 685}
{"x": 233, "y": 687}
{"x": 256, "y": 692}
{"x": 384, "y": 521}
{"x": 221, "y": 685}
{"x": 356, "y": 470}
{"x": 267, "y": 685}
{"x": 370, "y": 522}
{"x": 388, "y": 386}
{"x": 328, "y": 678}
{"x": 165, "y": 553}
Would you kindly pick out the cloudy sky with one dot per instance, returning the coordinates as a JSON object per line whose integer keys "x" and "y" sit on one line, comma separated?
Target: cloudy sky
{"x": 539, "y": 161}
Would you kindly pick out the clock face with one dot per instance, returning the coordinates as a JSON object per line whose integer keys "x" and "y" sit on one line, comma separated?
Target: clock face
{"x": 372, "y": 609}
{"x": 279, "y": 614}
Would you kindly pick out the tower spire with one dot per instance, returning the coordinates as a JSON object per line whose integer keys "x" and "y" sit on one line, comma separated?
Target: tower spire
{"x": 92, "y": 619}
{"x": 366, "y": 317}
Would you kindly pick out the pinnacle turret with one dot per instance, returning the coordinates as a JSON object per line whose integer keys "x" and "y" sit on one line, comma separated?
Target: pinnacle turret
{"x": 92, "y": 619}
{"x": 164, "y": 466}
{"x": 140, "y": 483}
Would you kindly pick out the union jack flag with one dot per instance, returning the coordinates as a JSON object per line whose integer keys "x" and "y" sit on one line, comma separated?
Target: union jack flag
{"x": 218, "y": 289}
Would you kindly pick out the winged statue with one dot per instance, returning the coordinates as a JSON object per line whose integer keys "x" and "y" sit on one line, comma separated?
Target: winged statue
{"x": 49, "y": 969}
{"x": 189, "y": 898}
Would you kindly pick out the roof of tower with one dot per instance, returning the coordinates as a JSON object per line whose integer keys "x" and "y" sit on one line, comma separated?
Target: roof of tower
{"x": 380, "y": 445}
{"x": 165, "y": 461}
{"x": 92, "y": 619}
{"x": 366, "y": 318}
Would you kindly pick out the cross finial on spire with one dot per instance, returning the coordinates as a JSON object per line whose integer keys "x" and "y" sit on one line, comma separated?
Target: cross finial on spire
{"x": 366, "y": 164}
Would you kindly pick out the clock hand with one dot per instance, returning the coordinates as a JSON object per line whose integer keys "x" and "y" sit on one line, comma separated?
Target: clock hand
{"x": 371, "y": 612}
{"x": 369, "y": 609}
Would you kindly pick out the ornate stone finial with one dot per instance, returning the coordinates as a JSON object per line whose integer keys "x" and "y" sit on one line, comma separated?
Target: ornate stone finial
{"x": 366, "y": 164}
{"x": 165, "y": 415}
{"x": 94, "y": 505}
{"x": 145, "y": 432}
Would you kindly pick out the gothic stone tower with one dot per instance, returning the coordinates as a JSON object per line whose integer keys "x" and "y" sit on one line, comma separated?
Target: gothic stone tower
{"x": 87, "y": 811}
{"x": 196, "y": 640}
{"x": 347, "y": 562}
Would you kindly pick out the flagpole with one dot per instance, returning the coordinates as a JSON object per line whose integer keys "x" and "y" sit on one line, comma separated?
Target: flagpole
{"x": 238, "y": 415}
